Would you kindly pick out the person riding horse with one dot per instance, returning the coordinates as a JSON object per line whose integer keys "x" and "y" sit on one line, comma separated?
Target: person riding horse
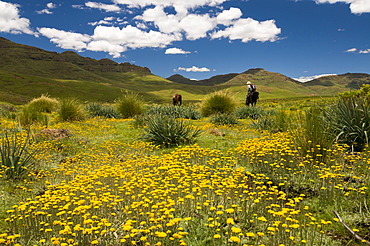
{"x": 252, "y": 96}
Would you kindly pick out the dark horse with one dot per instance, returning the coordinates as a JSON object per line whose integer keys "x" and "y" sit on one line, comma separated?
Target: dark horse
{"x": 252, "y": 98}
{"x": 177, "y": 100}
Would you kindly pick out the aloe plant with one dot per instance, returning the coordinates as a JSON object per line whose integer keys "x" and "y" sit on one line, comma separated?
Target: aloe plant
{"x": 16, "y": 158}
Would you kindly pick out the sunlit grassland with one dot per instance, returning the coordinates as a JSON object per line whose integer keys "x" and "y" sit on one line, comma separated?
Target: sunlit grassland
{"x": 104, "y": 186}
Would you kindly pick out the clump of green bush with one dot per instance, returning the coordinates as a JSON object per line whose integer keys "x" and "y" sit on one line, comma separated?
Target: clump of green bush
{"x": 71, "y": 110}
{"x": 224, "y": 119}
{"x": 44, "y": 104}
{"x": 29, "y": 116}
{"x": 218, "y": 103}
{"x": 167, "y": 131}
{"x": 99, "y": 110}
{"x": 249, "y": 112}
{"x": 130, "y": 104}
{"x": 176, "y": 112}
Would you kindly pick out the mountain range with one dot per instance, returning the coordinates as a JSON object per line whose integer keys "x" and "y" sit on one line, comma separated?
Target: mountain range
{"x": 27, "y": 72}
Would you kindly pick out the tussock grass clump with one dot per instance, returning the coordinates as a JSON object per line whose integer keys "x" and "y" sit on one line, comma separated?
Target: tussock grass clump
{"x": 98, "y": 109}
{"x": 44, "y": 104}
{"x": 224, "y": 119}
{"x": 275, "y": 121}
{"x": 29, "y": 116}
{"x": 176, "y": 112}
{"x": 249, "y": 112}
{"x": 218, "y": 102}
{"x": 130, "y": 104}
{"x": 169, "y": 132}
{"x": 313, "y": 135}
{"x": 71, "y": 110}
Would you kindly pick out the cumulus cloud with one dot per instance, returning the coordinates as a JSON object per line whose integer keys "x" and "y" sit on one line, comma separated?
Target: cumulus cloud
{"x": 11, "y": 22}
{"x": 351, "y": 50}
{"x": 47, "y": 10}
{"x": 249, "y": 29}
{"x": 154, "y": 26}
{"x": 102, "y": 6}
{"x": 66, "y": 40}
{"x": 174, "y": 51}
{"x": 356, "y": 6}
{"x": 132, "y": 37}
{"x": 193, "y": 69}
{"x": 114, "y": 50}
{"x": 309, "y": 78}
{"x": 226, "y": 17}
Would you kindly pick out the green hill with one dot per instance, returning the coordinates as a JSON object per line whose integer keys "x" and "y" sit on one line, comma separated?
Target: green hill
{"x": 27, "y": 72}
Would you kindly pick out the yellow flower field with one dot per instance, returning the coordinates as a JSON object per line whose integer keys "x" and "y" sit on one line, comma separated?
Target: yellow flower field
{"x": 99, "y": 190}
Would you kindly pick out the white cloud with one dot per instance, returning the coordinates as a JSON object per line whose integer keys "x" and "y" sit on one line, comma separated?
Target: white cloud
{"x": 11, "y": 22}
{"x": 364, "y": 51}
{"x": 197, "y": 26}
{"x": 132, "y": 37}
{"x": 105, "y": 46}
{"x": 249, "y": 29}
{"x": 193, "y": 69}
{"x": 309, "y": 78}
{"x": 351, "y": 50}
{"x": 356, "y": 6}
{"x": 181, "y": 6}
{"x": 102, "y": 6}
{"x": 174, "y": 51}
{"x": 66, "y": 40}
{"x": 226, "y": 17}
{"x": 48, "y": 8}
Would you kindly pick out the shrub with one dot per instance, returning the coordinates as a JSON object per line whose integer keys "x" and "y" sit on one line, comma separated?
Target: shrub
{"x": 313, "y": 137}
{"x": 350, "y": 121}
{"x": 249, "y": 112}
{"x": 168, "y": 132}
{"x": 44, "y": 104}
{"x": 176, "y": 112}
{"x": 8, "y": 110}
{"x": 29, "y": 116}
{"x": 275, "y": 121}
{"x": 218, "y": 102}
{"x": 130, "y": 105}
{"x": 70, "y": 110}
{"x": 97, "y": 109}
{"x": 16, "y": 158}
{"x": 224, "y": 119}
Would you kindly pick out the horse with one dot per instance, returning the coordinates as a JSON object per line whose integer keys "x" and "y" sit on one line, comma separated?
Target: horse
{"x": 177, "y": 100}
{"x": 252, "y": 98}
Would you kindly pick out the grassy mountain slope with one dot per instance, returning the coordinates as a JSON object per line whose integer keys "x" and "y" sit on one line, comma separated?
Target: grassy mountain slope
{"x": 27, "y": 72}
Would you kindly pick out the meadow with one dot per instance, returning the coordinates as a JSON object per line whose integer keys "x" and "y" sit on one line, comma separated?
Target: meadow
{"x": 270, "y": 175}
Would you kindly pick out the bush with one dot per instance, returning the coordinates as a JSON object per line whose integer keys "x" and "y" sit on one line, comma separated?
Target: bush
{"x": 29, "y": 116}
{"x": 350, "y": 121}
{"x": 8, "y": 110}
{"x": 71, "y": 110}
{"x": 249, "y": 112}
{"x": 16, "y": 158}
{"x": 168, "y": 132}
{"x": 176, "y": 112}
{"x": 224, "y": 119}
{"x": 130, "y": 105}
{"x": 44, "y": 104}
{"x": 218, "y": 102}
{"x": 274, "y": 121}
{"x": 313, "y": 137}
{"x": 97, "y": 109}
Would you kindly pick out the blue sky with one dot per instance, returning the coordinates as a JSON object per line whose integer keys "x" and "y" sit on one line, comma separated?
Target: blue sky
{"x": 201, "y": 38}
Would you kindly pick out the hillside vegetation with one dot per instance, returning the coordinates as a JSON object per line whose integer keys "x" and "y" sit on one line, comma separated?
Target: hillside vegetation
{"x": 27, "y": 72}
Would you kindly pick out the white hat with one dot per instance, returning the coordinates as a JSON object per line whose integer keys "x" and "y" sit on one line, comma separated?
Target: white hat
{"x": 248, "y": 83}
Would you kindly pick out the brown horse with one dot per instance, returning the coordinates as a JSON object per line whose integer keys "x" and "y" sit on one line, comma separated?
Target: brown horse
{"x": 252, "y": 98}
{"x": 177, "y": 100}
